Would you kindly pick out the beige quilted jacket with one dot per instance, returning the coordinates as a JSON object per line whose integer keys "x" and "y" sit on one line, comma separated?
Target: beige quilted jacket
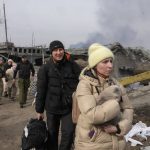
{"x": 9, "y": 75}
{"x": 94, "y": 115}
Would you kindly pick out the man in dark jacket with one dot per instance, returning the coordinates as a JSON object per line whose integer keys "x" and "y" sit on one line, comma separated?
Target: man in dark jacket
{"x": 56, "y": 82}
{"x": 24, "y": 68}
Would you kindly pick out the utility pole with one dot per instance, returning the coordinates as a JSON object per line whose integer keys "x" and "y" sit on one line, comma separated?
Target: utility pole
{"x": 32, "y": 45}
{"x": 33, "y": 39}
{"x": 5, "y": 26}
{"x": 43, "y": 60}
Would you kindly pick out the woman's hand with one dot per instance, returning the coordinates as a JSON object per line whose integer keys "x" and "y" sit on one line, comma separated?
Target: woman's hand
{"x": 110, "y": 129}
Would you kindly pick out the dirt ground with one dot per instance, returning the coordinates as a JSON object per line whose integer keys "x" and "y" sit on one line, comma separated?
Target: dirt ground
{"x": 13, "y": 119}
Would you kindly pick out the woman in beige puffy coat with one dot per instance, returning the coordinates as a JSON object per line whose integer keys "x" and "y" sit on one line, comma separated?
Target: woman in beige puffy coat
{"x": 106, "y": 112}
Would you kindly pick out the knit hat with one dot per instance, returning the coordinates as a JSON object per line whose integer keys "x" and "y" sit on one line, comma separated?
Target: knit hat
{"x": 98, "y": 53}
{"x": 10, "y": 60}
{"x": 55, "y": 44}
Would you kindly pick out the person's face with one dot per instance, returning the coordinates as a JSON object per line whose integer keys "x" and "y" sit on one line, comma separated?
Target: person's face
{"x": 24, "y": 59}
{"x": 58, "y": 54}
{"x": 105, "y": 67}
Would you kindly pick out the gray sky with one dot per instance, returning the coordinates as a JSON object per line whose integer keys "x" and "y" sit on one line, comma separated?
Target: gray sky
{"x": 77, "y": 22}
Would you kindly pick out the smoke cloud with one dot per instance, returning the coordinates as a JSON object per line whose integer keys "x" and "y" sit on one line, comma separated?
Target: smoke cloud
{"x": 126, "y": 22}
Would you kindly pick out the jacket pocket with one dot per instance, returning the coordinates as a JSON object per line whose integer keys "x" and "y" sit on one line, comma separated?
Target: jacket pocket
{"x": 93, "y": 134}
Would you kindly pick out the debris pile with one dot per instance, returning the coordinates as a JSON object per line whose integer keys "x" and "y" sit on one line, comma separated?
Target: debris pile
{"x": 138, "y": 134}
{"x": 127, "y": 60}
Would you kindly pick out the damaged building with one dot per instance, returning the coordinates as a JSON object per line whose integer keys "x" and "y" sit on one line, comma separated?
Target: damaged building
{"x": 128, "y": 61}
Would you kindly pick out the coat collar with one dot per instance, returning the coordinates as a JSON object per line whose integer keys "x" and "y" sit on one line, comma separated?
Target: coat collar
{"x": 90, "y": 76}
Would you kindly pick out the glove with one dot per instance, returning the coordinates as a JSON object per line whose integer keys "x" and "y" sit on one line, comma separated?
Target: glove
{"x": 111, "y": 92}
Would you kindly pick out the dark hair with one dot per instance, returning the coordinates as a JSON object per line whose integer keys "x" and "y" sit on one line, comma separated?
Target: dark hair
{"x": 24, "y": 56}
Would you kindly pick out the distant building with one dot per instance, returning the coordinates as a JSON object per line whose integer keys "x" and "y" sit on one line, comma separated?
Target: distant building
{"x": 4, "y": 45}
{"x": 34, "y": 54}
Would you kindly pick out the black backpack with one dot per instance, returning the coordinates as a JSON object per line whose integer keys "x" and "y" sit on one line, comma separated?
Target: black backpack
{"x": 34, "y": 135}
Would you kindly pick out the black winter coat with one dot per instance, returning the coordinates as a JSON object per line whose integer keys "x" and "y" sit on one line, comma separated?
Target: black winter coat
{"x": 55, "y": 84}
{"x": 24, "y": 70}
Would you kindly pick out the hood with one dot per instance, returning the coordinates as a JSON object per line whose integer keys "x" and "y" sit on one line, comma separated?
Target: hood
{"x": 90, "y": 76}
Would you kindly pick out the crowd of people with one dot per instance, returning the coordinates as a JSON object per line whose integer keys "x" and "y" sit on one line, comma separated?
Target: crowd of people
{"x": 8, "y": 73}
{"x": 7, "y": 88}
{"x": 106, "y": 112}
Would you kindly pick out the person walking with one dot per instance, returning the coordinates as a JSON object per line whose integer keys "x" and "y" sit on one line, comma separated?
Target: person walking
{"x": 7, "y": 66}
{"x": 25, "y": 68}
{"x": 106, "y": 111}
{"x": 12, "y": 89}
{"x": 56, "y": 81}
